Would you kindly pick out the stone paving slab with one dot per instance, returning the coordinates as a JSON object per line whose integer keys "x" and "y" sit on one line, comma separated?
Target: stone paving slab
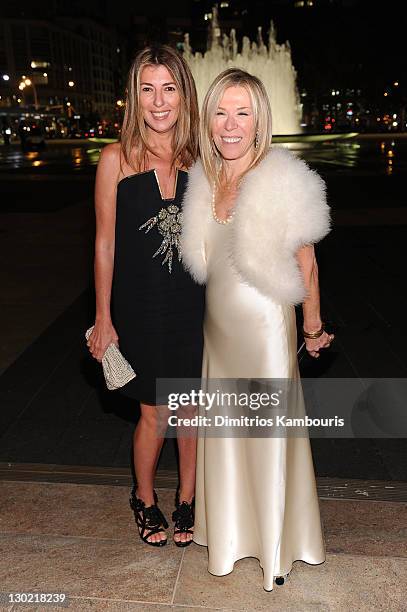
{"x": 89, "y": 511}
{"x": 342, "y": 583}
{"x": 82, "y": 540}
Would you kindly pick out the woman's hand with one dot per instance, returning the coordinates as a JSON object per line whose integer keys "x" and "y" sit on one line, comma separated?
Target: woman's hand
{"x": 314, "y": 345}
{"x": 102, "y": 335}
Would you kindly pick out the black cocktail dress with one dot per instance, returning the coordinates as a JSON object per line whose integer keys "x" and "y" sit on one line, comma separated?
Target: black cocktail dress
{"x": 157, "y": 309}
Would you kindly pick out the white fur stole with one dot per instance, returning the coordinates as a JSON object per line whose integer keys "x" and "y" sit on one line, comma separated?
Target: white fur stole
{"x": 280, "y": 208}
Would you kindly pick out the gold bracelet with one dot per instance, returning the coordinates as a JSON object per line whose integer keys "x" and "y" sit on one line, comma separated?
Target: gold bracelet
{"x": 314, "y": 335}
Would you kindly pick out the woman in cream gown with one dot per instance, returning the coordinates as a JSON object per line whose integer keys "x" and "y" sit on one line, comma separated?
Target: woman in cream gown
{"x": 255, "y": 497}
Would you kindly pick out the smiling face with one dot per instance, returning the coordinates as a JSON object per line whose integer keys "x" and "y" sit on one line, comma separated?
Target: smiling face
{"x": 233, "y": 126}
{"x": 159, "y": 98}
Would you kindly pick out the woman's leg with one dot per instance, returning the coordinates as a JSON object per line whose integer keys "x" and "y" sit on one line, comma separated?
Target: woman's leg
{"x": 146, "y": 451}
{"x": 187, "y": 442}
{"x": 187, "y": 466}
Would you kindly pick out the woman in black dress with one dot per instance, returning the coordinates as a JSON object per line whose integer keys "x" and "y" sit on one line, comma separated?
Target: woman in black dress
{"x": 145, "y": 302}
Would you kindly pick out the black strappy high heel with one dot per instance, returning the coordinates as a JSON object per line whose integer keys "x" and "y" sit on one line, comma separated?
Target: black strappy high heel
{"x": 184, "y": 518}
{"x": 149, "y": 520}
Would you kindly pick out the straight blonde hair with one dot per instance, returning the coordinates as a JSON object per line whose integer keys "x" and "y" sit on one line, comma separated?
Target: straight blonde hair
{"x": 211, "y": 159}
{"x": 133, "y": 138}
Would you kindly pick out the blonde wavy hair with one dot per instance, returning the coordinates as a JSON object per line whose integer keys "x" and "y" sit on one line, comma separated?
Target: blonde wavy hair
{"x": 133, "y": 138}
{"x": 232, "y": 77}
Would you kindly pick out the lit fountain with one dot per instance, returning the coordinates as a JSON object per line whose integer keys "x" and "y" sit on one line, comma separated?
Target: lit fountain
{"x": 271, "y": 63}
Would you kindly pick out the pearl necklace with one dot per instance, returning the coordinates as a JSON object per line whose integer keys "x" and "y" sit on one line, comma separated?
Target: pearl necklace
{"x": 215, "y": 216}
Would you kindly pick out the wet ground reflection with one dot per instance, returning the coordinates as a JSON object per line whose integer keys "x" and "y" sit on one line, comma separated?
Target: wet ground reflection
{"x": 55, "y": 157}
{"x": 361, "y": 155}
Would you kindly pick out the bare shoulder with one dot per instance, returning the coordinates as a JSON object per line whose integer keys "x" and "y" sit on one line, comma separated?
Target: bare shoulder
{"x": 109, "y": 163}
{"x": 111, "y": 153}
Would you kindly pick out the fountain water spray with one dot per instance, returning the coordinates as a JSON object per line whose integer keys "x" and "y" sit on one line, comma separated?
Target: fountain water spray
{"x": 271, "y": 63}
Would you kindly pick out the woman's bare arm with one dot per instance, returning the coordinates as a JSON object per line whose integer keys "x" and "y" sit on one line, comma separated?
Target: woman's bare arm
{"x": 105, "y": 210}
{"x": 311, "y": 305}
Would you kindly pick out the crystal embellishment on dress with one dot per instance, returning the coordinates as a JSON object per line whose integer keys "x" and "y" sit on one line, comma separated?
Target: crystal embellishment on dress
{"x": 168, "y": 222}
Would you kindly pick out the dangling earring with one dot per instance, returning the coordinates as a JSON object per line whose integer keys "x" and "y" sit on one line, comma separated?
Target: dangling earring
{"x": 256, "y": 141}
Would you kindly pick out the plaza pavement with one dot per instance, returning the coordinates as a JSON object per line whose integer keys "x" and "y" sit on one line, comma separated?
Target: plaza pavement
{"x": 81, "y": 540}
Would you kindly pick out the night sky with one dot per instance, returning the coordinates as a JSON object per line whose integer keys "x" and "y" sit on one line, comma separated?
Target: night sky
{"x": 336, "y": 44}
{"x": 340, "y": 44}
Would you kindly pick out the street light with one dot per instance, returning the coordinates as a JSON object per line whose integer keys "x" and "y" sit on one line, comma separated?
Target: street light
{"x": 71, "y": 83}
{"x": 26, "y": 83}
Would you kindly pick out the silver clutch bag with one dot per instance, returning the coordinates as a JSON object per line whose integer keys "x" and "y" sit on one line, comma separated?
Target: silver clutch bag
{"x": 116, "y": 369}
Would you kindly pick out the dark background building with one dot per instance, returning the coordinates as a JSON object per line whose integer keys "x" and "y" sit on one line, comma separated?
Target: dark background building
{"x": 347, "y": 53}
{"x": 69, "y": 53}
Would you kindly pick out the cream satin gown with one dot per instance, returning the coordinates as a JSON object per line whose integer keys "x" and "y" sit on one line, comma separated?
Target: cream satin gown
{"x": 255, "y": 497}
